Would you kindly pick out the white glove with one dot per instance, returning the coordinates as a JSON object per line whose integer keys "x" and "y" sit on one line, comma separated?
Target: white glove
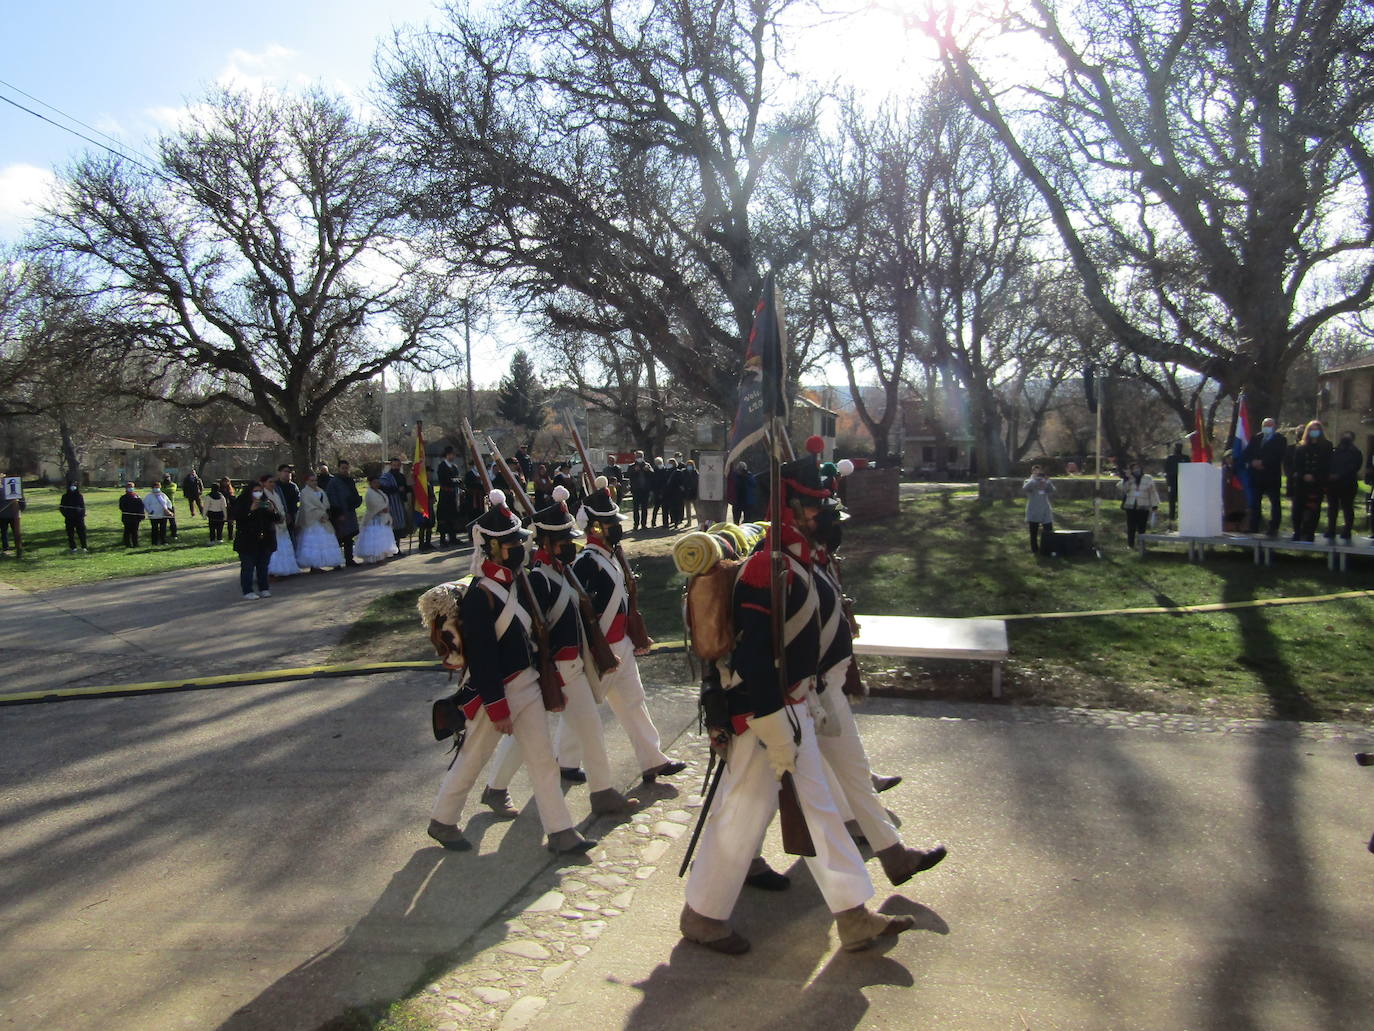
{"x": 775, "y": 731}
{"x": 822, "y": 705}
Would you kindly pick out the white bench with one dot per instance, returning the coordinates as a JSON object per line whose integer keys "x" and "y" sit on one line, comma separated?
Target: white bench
{"x": 929, "y": 637}
{"x": 1198, "y": 546}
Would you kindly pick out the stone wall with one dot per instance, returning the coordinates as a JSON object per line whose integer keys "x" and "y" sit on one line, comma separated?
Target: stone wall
{"x": 872, "y": 493}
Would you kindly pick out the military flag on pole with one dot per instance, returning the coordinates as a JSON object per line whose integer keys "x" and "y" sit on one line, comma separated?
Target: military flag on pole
{"x": 762, "y": 395}
{"x": 419, "y": 474}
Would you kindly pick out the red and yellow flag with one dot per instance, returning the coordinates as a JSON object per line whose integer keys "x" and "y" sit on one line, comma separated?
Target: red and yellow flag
{"x": 419, "y": 475}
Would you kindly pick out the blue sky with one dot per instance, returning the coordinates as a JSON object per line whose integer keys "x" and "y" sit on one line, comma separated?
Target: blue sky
{"x": 128, "y": 70}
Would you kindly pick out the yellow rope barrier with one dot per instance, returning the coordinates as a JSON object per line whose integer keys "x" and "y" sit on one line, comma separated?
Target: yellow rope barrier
{"x": 1174, "y": 610}
{"x": 346, "y": 669}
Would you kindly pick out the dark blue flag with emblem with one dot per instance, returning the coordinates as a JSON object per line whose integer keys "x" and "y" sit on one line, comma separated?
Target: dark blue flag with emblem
{"x": 761, "y": 394}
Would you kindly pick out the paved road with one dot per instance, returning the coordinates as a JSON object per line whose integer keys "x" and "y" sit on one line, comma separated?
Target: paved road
{"x": 191, "y": 622}
{"x": 254, "y": 858}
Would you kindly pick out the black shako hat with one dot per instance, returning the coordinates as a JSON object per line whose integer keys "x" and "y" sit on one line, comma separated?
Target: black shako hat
{"x": 497, "y": 523}
{"x": 555, "y": 521}
{"x": 801, "y": 478}
{"x": 599, "y": 505}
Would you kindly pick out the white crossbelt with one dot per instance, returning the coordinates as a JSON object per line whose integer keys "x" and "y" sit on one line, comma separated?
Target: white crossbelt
{"x": 618, "y": 594}
{"x": 511, "y": 609}
{"x": 566, "y": 595}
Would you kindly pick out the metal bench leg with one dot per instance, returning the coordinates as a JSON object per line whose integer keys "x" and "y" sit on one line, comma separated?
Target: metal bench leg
{"x": 997, "y": 680}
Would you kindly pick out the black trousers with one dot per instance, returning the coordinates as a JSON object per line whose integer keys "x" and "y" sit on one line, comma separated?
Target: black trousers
{"x": 6, "y": 525}
{"x": 1041, "y": 536}
{"x": 76, "y": 528}
{"x": 1173, "y": 501}
{"x": 1137, "y": 521}
{"x": 641, "y": 509}
{"x": 1340, "y": 496}
{"x": 158, "y": 531}
{"x": 1307, "y": 509}
{"x": 216, "y": 526}
{"x": 131, "y": 530}
{"x": 1257, "y": 497}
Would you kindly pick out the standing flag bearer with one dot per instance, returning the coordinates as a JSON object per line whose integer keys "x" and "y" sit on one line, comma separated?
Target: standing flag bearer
{"x": 771, "y": 691}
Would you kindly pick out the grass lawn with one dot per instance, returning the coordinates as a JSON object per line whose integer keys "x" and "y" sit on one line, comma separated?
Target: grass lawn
{"x": 47, "y": 561}
{"x": 952, "y": 555}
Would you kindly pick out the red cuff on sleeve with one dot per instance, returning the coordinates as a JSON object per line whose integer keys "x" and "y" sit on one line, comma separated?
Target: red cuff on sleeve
{"x": 499, "y": 710}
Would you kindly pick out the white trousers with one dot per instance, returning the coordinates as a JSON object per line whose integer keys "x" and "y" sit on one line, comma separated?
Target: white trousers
{"x": 847, "y": 763}
{"x": 624, "y": 693}
{"x": 582, "y": 717}
{"x": 741, "y": 812}
{"x": 532, "y": 732}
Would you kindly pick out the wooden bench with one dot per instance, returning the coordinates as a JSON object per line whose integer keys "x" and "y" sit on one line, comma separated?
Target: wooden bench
{"x": 929, "y": 637}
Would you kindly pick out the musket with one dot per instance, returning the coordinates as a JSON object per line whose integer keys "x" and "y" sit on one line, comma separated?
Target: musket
{"x": 796, "y": 837}
{"x": 705, "y": 808}
{"x": 604, "y": 659}
{"x": 549, "y": 687}
{"x": 634, "y": 620}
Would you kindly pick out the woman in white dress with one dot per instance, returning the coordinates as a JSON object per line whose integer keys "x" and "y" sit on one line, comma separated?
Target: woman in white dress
{"x": 316, "y": 545}
{"x": 284, "y": 558}
{"x": 376, "y": 542}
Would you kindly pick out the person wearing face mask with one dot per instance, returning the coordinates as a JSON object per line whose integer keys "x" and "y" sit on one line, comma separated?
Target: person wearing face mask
{"x": 599, "y": 571}
{"x": 1311, "y": 472}
{"x": 504, "y": 680}
{"x": 132, "y": 513}
{"x": 851, "y": 779}
{"x": 770, "y": 729}
{"x": 256, "y": 540}
{"x": 73, "y": 509}
{"x": 1265, "y": 454}
{"x": 1341, "y": 486}
{"x": 1139, "y": 498}
{"x": 556, "y": 596}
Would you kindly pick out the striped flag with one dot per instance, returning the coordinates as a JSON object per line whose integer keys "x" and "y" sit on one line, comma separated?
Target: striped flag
{"x": 419, "y": 475}
{"x": 1239, "y": 442}
{"x": 1202, "y": 442}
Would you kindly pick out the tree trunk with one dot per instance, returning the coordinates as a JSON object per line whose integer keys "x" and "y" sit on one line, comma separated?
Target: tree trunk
{"x": 69, "y": 457}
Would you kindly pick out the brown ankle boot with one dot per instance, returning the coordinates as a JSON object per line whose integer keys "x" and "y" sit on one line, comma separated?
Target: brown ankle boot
{"x": 859, "y": 928}
{"x": 609, "y": 800}
{"x": 901, "y": 863}
{"x": 716, "y": 935}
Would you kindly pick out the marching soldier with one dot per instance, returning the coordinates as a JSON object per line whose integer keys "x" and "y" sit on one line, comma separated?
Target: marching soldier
{"x": 554, "y": 531}
{"x": 839, "y": 743}
{"x": 773, "y": 733}
{"x": 600, "y": 572}
{"x": 503, "y": 689}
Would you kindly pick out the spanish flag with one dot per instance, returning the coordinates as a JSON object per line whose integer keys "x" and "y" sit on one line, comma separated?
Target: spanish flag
{"x": 419, "y": 475}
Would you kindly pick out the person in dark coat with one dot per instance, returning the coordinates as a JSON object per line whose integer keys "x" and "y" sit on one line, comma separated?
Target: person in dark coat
{"x": 743, "y": 488}
{"x": 73, "y": 509}
{"x": 641, "y": 476}
{"x": 1171, "y": 464}
{"x": 673, "y": 495}
{"x": 1343, "y": 481}
{"x": 448, "y": 480}
{"x": 226, "y": 487}
{"x": 1264, "y": 455}
{"x": 344, "y": 500}
{"x": 397, "y": 490}
{"x": 691, "y": 483}
{"x": 290, "y": 492}
{"x": 257, "y": 520}
{"x": 9, "y": 520}
{"x": 191, "y": 490}
{"x": 658, "y": 486}
{"x": 523, "y": 460}
{"x": 131, "y": 512}
{"x": 1311, "y": 472}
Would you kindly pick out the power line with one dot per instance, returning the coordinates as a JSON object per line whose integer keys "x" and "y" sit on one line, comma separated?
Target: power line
{"x": 39, "y": 100}
{"x": 93, "y": 142}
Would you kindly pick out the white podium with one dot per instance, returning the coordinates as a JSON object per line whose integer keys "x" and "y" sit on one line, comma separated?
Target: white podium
{"x": 1199, "y": 500}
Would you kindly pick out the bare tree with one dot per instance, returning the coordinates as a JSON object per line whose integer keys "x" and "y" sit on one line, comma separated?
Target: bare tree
{"x": 626, "y": 172}
{"x": 267, "y": 250}
{"x": 1203, "y": 162}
